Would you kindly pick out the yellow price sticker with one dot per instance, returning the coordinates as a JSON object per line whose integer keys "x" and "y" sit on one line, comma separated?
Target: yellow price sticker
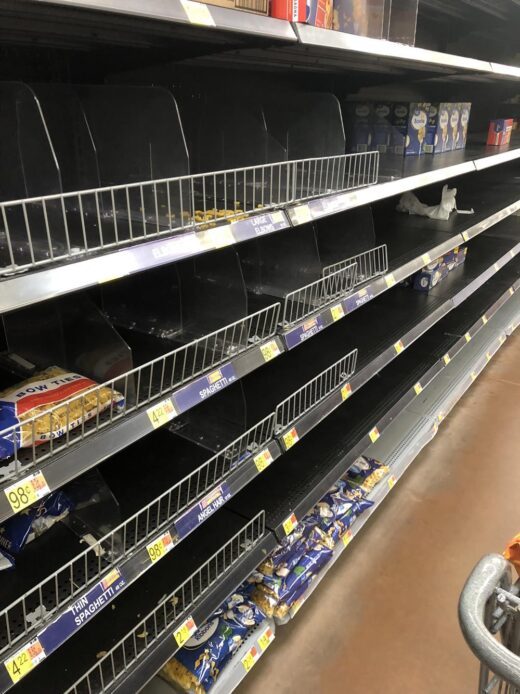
{"x": 25, "y": 660}
{"x": 467, "y": 337}
{"x": 263, "y": 460}
{"x": 426, "y": 259}
{"x": 399, "y": 347}
{"x": 27, "y": 491}
{"x": 346, "y": 391}
{"x": 374, "y": 434}
{"x": 418, "y": 388}
{"x": 391, "y": 482}
{"x": 473, "y": 375}
{"x": 185, "y": 631}
{"x": 347, "y": 537}
{"x": 270, "y": 350}
{"x": 465, "y": 236}
{"x": 446, "y": 359}
{"x": 162, "y": 413}
{"x": 488, "y": 356}
{"x": 266, "y": 638}
{"x": 337, "y": 312}
{"x": 289, "y": 524}
{"x": 198, "y": 13}
{"x": 290, "y": 438}
{"x": 302, "y": 214}
{"x": 250, "y": 658}
{"x": 484, "y": 319}
{"x": 390, "y": 280}
{"x": 159, "y": 547}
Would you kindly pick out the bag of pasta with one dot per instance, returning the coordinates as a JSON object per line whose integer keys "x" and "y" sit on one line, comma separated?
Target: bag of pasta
{"x": 41, "y": 397}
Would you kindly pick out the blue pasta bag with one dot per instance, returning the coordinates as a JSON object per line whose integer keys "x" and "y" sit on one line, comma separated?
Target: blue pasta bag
{"x": 16, "y": 531}
{"x": 283, "y": 608}
{"x": 310, "y": 564}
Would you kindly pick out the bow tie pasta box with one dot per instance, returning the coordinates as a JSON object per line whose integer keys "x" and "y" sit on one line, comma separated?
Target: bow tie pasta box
{"x": 417, "y": 126}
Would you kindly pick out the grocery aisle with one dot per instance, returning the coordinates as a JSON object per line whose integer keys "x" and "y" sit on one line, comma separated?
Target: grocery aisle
{"x": 385, "y": 617}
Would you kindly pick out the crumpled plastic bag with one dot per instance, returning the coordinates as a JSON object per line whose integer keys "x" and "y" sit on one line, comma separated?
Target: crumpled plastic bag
{"x": 409, "y": 202}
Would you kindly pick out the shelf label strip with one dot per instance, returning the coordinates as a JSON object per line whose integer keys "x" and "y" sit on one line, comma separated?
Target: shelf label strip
{"x": 204, "y": 387}
{"x": 300, "y": 333}
{"x": 206, "y": 507}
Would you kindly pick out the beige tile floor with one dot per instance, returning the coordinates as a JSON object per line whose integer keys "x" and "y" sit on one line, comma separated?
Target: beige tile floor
{"x": 385, "y": 617}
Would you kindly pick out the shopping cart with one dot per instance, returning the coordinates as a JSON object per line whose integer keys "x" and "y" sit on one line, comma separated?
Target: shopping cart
{"x": 489, "y": 615}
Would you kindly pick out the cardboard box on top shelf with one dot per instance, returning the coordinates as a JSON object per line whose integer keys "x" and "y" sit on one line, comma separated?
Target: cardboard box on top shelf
{"x": 256, "y": 6}
{"x": 359, "y": 17}
{"x": 416, "y": 130}
{"x": 317, "y": 13}
{"x": 437, "y": 129}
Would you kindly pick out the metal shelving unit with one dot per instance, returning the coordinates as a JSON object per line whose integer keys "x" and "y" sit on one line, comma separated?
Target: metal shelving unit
{"x": 203, "y": 494}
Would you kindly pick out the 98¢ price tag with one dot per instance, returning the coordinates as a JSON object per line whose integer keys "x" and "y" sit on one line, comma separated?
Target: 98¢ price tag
{"x": 185, "y": 631}
{"x": 27, "y": 491}
{"x": 158, "y": 548}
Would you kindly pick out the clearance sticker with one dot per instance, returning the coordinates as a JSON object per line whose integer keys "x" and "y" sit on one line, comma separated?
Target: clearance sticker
{"x": 289, "y": 524}
{"x": 185, "y": 631}
{"x": 270, "y": 350}
{"x": 263, "y": 460}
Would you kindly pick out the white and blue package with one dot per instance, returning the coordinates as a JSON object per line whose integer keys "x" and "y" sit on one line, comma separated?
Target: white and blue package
{"x": 17, "y": 531}
{"x": 44, "y": 396}
{"x": 367, "y": 472}
{"x": 198, "y": 663}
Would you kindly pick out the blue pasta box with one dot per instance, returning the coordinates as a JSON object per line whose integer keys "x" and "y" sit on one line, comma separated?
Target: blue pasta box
{"x": 453, "y": 128}
{"x": 359, "y": 117}
{"x": 399, "y": 123}
{"x": 437, "y": 129}
{"x": 460, "y": 255}
{"x": 427, "y": 278}
{"x": 465, "y": 110}
{"x": 417, "y": 126}
{"x": 382, "y": 127}
{"x": 449, "y": 259}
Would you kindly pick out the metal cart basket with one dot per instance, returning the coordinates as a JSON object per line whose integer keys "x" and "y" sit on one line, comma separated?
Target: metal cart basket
{"x": 489, "y": 615}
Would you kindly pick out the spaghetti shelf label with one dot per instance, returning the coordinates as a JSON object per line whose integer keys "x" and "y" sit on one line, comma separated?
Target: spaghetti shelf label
{"x": 351, "y": 303}
{"x": 204, "y": 387}
{"x": 304, "y": 331}
{"x": 206, "y": 507}
{"x": 82, "y": 610}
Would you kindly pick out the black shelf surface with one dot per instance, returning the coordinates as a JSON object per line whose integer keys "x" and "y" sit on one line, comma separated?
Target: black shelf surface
{"x": 128, "y": 609}
{"x": 302, "y": 475}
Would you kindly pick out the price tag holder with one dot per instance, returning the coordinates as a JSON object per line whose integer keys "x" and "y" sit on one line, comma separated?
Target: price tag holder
{"x": 198, "y": 13}
{"x": 250, "y": 658}
{"x": 290, "y": 523}
{"x": 374, "y": 434}
{"x": 337, "y": 312}
{"x": 27, "y": 491}
{"x": 302, "y": 214}
{"x": 263, "y": 460}
{"x": 162, "y": 413}
{"x": 399, "y": 347}
{"x": 270, "y": 350}
{"x": 266, "y": 638}
{"x": 347, "y": 537}
{"x": 24, "y": 660}
{"x": 418, "y": 388}
{"x": 346, "y": 392}
{"x": 185, "y": 631}
{"x": 158, "y": 548}
{"x": 290, "y": 438}
{"x": 390, "y": 280}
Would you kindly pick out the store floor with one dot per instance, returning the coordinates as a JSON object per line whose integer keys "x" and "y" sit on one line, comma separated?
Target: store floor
{"x": 385, "y": 617}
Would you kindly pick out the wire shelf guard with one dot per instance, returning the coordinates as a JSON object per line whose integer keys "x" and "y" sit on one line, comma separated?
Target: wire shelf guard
{"x": 126, "y": 654}
{"x": 304, "y": 301}
{"x": 370, "y": 264}
{"x": 39, "y": 604}
{"x": 313, "y": 392}
{"x": 54, "y": 228}
{"x": 91, "y": 410}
